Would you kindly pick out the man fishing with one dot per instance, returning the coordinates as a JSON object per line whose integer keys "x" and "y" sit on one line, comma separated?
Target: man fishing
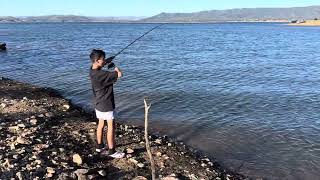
{"x": 102, "y": 86}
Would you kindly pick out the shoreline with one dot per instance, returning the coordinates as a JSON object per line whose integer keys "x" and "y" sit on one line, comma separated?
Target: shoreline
{"x": 310, "y": 23}
{"x": 42, "y": 132}
{"x": 182, "y": 22}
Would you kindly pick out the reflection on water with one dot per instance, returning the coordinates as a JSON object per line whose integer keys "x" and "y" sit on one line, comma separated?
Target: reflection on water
{"x": 247, "y": 94}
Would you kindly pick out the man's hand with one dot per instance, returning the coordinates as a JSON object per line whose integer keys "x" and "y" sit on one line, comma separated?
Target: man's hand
{"x": 118, "y": 71}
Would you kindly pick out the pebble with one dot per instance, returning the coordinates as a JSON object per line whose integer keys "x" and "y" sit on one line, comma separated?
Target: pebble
{"x": 49, "y": 114}
{"x": 158, "y": 141}
{"x": 169, "y": 178}
{"x": 3, "y": 105}
{"x": 13, "y": 128}
{"x": 140, "y": 165}
{"x": 50, "y": 170}
{"x": 66, "y": 106}
{"x": 169, "y": 144}
{"x": 21, "y": 125}
{"x": 140, "y": 178}
{"x": 159, "y": 154}
{"x": 77, "y": 159}
{"x": 19, "y": 175}
{"x": 21, "y": 140}
{"x": 33, "y": 122}
{"x": 134, "y": 161}
{"x": 102, "y": 173}
{"x": 130, "y": 151}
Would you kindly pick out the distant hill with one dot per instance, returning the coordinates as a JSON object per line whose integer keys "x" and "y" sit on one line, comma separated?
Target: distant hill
{"x": 67, "y": 18}
{"x": 245, "y": 14}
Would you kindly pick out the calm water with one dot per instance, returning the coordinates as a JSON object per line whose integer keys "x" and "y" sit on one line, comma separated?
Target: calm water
{"x": 247, "y": 94}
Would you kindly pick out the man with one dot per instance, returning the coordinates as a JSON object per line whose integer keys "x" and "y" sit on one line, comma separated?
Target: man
{"x": 102, "y": 85}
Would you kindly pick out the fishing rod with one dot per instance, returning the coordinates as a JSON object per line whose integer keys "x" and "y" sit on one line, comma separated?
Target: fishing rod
{"x": 109, "y": 60}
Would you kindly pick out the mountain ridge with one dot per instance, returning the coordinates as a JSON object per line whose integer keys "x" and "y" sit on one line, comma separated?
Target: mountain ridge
{"x": 228, "y": 15}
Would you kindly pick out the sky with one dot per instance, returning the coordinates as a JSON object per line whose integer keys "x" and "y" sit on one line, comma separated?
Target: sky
{"x": 133, "y": 7}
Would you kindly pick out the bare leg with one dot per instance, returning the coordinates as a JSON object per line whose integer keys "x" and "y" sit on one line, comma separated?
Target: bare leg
{"x": 110, "y": 134}
{"x": 99, "y": 131}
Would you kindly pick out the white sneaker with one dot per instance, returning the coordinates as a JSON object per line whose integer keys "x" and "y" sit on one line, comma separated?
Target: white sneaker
{"x": 117, "y": 155}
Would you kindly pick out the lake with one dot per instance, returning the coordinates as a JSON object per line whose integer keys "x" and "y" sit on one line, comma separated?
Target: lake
{"x": 247, "y": 94}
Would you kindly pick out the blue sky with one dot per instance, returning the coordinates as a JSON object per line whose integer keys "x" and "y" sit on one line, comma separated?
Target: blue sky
{"x": 133, "y": 7}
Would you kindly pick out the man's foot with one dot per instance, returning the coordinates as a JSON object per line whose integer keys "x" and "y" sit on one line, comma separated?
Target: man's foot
{"x": 117, "y": 155}
{"x": 100, "y": 148}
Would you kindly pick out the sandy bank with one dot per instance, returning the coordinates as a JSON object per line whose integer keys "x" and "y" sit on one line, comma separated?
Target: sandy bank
{"x": 44, "y": 136}
{"x": 307, "y": 23}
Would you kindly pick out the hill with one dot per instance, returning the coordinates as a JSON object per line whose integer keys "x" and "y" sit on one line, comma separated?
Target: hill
{"x": 245, "y": 14}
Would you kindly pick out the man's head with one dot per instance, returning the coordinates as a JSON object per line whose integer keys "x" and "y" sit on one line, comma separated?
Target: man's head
{"x": 97, "y": 57}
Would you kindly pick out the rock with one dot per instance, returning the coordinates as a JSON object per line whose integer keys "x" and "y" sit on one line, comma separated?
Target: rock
{"x": 140, "y": 165}
{"x": 92, "y": 176}
{"x": 25, "y": 98}
{"x": 165, "y": 156}
{"x": 16, "y": 156}
{"x": 63, "y": 176}
{"x": 61, "y": 149}
{"x": 13, "y": 128}
{"x": 3, "y": 105}
{"x": 21, "y": 125}
{"x": 66, "y": 106}
{"x": 193, "y": 177}
{"x": 134, "y": 161}
{"x": 38, "y": 161}
{"x": 12, "y": 146}
{"x": 77, "y": 159}
{"x": 19, "y": 175}
{"x": 159, "y": 154}
{"x": 33, "y": 122}
{"x": 203, "y": 164}
{"x": 169, "y": 178}
{"x": 50, "y": 170}
{"x": 140, "y": 178}
{"x": 169, "y": 144}
{"x": 81, "y": 173}
{"x": 49, "y": 114}
{"x": 102, "y": 173}
{"x": 130, "y": 151}
{"x": 21, "y": 140}
{"x": 41, "y": 115}
{"x": 158, "y": 141}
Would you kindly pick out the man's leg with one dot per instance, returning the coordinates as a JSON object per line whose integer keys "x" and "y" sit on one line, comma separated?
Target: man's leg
{"x": 110, "y": 134}
{"x": 100, "y": 131}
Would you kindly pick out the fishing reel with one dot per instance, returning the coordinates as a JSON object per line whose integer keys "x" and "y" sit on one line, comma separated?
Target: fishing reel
{"x": 109, "y": 62}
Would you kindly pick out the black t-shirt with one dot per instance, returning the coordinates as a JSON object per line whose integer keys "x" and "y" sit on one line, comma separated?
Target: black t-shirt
{"x": 102, "y": 86}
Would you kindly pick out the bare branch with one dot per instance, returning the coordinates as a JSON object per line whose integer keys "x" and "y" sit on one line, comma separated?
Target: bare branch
{"x": 146, "y": 109}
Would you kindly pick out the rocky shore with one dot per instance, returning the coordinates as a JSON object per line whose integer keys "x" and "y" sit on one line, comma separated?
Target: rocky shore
{"x": 44, "y": 136}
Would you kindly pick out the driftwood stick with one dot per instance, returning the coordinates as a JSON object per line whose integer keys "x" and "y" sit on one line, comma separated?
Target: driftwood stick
{"x": 146, "y": 110}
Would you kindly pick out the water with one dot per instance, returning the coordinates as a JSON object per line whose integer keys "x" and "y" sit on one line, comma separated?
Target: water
{"x": 245, "y": 93}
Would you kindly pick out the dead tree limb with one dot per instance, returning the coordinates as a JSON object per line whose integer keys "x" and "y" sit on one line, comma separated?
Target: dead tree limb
{"x": 146, "y": 111}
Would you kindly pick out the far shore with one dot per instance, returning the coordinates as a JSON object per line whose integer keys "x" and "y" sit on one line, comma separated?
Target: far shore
{"x": 307, "y": 23}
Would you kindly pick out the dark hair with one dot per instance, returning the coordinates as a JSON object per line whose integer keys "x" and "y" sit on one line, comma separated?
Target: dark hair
{"x": 96, "y": 54}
